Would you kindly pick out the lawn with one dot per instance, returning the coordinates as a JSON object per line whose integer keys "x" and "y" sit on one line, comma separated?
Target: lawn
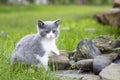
{"x": 77, "y": 23}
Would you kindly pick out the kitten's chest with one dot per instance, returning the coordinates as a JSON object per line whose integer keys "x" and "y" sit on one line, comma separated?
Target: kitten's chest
{"x": 48, "y": 45}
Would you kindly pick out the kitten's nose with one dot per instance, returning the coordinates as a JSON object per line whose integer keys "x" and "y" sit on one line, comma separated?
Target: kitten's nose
{"x": 50, "y": 35}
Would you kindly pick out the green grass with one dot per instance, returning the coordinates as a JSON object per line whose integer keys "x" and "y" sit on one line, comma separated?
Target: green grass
{"x": 18, "y": 21}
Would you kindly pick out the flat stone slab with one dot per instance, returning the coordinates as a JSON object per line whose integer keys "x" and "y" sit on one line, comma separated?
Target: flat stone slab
{"x": 116, "y": 3}
{"x": 75, "y": 75}
{"x": 109, "y": 17}
{"x": 112, "y": 72}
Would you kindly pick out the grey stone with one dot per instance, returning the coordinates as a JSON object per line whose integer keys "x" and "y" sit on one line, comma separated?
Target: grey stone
{"x": 109, "y": 17}
{"x": 105, "y": 43}
{"x": 67, "y": 53}
{"x": 111, "y": 72}
{"x": 116, "y": 4}
{"x": 117, "y": 44}
{"x": 59, "y": 62}
{"x": 117, "y": 60}
{"x": 85, "y": 65}
{"x": 99, "y": 63}
{"x": 111, "y": 56}
{"x": 87, "y": 49}
{"x": 75, "y": 75}
{"x": 75, "y": 55}
{"x": 116, "y": 50}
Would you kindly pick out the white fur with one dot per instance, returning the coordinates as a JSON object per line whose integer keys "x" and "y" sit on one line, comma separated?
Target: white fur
{"x": 50, "y": 35}
{"x": 43, "y": 60}
{"x": 49, "y": 46}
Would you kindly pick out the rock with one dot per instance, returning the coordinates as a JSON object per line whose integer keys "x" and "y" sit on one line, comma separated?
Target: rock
{"x": 111, "y": 72}
{"x": 87, "y": 49}
{"x": 117, "y": 44}
{"x": 90, "y": 77}
{"x": 104, "y": 43}
{"x": 64, "y": 53}
{"x": 111, "y": 56}
{"x": 99, "y": 63}
{"x": 72, "y": 64}
{"x": 109, "y": 17}
{"x": 116, "y": 4}
{"x": 117, "y": 60}
{"x": 59, "y": 62}
{"x": 75, "y": 56}
{"x": 75, "y": 75}
{"x": 68, "y": 75}
{"x": 116, "y": 50}
{"x": 85, "y": 65}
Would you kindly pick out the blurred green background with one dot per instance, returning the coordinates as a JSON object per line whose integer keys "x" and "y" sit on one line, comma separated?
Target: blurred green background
{"x": 98, "y": 2}
{"x": 19, "y": 18}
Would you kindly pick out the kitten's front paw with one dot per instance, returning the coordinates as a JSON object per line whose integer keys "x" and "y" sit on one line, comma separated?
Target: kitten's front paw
{"x": 56, "y": 52}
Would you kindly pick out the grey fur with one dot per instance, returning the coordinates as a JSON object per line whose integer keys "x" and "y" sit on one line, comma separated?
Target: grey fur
{"x": 30, "y": 45}
{"x": 48, "y": 26}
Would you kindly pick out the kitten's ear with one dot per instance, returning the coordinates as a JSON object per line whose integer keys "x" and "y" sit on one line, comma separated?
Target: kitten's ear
{"x": 57, "y": 22}
{"x": 40, "y": 23}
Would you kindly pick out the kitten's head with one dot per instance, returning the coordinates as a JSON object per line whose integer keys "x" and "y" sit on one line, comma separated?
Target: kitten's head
{"x": 48, "y": 29}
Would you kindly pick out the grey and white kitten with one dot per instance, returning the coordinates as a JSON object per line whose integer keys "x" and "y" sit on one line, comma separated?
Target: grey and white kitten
{"x": 36, "y": 48}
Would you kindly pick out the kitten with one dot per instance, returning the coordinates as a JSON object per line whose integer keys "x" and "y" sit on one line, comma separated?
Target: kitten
{"x": 36, "y": 48}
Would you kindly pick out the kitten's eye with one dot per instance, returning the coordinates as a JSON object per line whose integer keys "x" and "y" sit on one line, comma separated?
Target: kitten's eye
{"x": 47, "y": 31}
{"x": 54, "y": 31}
